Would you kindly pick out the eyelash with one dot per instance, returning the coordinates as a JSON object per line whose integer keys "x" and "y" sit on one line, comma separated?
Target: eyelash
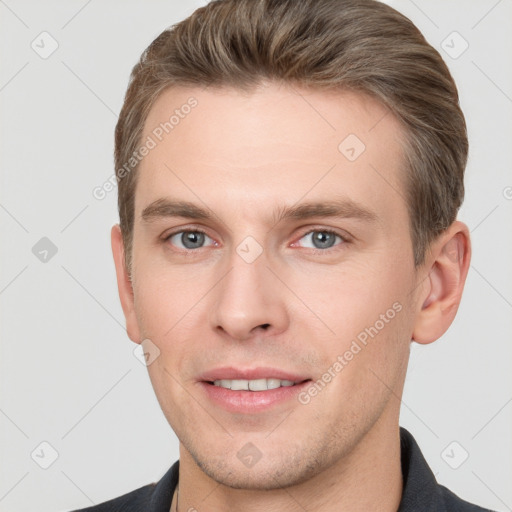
{"x": 344, "y": 239}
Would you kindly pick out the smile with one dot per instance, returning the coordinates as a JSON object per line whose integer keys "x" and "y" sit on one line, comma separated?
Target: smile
{"x": 253, "y": 385}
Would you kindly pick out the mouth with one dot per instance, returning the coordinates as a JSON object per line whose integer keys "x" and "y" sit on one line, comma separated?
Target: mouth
{"x": 251, "y": 390}
{"x": 255, "y": 384}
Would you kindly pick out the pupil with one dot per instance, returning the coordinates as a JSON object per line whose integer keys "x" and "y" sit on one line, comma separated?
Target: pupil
{"x": 192, "y": 240}
{"x": 322, "y": 239}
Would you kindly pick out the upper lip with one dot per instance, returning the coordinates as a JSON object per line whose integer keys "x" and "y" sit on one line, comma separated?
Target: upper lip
{"x": 232, "y": 373}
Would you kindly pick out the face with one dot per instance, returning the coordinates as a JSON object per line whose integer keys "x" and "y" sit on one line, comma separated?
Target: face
{"x": 271, "y": 245}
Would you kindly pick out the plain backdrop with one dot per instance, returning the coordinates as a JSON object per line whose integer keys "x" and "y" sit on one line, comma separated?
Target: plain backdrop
{"x": 73, "y": 396}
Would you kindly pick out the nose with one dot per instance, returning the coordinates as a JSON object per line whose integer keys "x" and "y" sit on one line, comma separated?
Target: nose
{"x": 249, "y": 301}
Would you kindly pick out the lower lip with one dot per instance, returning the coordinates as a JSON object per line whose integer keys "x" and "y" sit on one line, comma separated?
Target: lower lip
{"x": 251, "y": 401}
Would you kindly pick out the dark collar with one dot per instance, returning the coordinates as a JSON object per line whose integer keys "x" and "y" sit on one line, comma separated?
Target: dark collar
{"x": 419, "y": 484}
{"x": 421, "y": 492}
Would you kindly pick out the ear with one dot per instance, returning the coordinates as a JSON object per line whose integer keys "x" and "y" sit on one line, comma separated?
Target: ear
{"x": 124, "y": 285}
{"x": 446, "y": 268}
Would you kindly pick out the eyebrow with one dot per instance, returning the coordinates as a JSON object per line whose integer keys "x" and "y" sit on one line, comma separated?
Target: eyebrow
{"x": 342, "y": 208}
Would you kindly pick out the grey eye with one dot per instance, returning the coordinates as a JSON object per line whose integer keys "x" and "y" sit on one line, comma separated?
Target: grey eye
{"x": 321, "y": 239}
{"x": 189, "y": 239}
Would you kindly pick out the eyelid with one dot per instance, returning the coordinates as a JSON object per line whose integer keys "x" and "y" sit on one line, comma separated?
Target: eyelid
{"x": 182, "y": 229}
{"x": 344, "y": 235}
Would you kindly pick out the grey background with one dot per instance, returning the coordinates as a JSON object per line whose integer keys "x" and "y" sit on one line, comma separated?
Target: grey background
{"x": 68, "y": 373}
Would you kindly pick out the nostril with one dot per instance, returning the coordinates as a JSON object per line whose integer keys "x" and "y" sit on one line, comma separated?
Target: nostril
{"x": 265, "y": 326}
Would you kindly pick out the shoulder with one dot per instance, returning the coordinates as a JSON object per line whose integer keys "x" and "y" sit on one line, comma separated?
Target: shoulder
{"x": 154, "y": 497}
{"x": 455, "y": 504}
{"x": 134, "y": 501}
{"x": 421, "y": 491}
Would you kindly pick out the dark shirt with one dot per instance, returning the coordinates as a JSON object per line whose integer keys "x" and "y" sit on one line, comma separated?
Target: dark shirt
{"x": 421, "y": 492}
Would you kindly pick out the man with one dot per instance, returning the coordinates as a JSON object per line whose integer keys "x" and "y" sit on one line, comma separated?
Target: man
{"x": 289, "y": 179}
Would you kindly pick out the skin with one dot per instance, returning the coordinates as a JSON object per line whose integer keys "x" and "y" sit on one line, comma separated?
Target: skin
{"x": 242, "y": 156}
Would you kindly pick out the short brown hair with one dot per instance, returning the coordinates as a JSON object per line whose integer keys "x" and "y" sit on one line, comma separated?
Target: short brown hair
{"x": 358, "y": 45}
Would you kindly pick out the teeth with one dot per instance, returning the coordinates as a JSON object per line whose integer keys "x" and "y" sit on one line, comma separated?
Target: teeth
{"x": 257, "y": 384}
{"x": 273, "y": 383}
{"x": 239, "y": 385}
{"x": 252, "y": 385}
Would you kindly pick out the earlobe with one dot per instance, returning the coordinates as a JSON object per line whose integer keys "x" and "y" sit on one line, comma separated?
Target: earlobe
{"x": 444, "y": 283}
{"x": 124, "y": 285}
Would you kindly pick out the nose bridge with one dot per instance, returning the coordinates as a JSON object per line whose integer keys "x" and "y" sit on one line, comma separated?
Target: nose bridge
{"x": 248, "y": 297}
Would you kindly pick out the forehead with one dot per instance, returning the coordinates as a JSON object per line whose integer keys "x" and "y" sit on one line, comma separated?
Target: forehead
{"x": 276, "y": 144}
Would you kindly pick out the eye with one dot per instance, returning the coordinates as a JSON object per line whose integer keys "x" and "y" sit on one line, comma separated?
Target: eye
{"x": 191, "y": 239}
{"x": 321, "y": 239}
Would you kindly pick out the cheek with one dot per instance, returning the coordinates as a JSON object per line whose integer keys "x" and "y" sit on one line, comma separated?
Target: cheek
{"x": 365, "y": 321}
{"x": 368, "y": 364}
{"x": 164, "y": 298}
{"x": 351, "y": 297}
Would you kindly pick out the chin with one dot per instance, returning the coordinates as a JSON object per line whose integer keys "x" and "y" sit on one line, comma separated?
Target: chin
{"x": 283, "y": 470}
{"x": 262, "y": 479}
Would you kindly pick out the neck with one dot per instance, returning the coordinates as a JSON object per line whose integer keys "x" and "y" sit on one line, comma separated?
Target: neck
{"x": 369, "y": 478}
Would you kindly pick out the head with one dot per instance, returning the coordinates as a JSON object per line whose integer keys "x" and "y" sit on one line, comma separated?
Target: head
{"x": 289, "y": 178}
